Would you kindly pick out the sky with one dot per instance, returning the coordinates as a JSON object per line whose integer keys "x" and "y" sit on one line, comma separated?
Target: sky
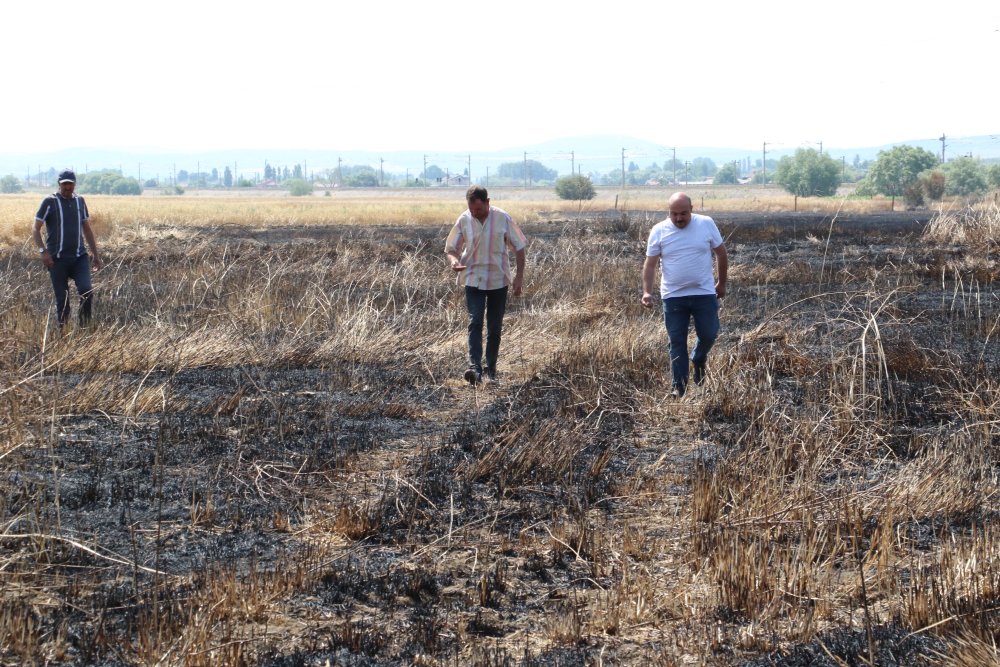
{"x": 449, "y": 75}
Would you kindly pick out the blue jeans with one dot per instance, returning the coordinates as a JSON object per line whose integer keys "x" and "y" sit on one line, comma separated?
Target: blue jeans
{"x": 489, "y": 305}
{"x": 77, "y": 269}
{"x": 677, "y": 314}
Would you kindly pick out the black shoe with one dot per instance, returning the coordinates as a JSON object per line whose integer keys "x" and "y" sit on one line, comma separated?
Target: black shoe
{"x": 698, "y": 374}
{"x": 677, "y": 391}
{"x": 491, "y": 376}
{"x": 473, "y": 376}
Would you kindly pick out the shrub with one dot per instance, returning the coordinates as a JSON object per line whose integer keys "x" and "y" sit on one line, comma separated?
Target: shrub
{"x": 993, "y": 175}
{"x": 10, "y": 184}
{"x": 933, "y": 183}
{"x": 298, "y": 187}
{"x": 575, "y": 188}
{"x": 913, "y": 195}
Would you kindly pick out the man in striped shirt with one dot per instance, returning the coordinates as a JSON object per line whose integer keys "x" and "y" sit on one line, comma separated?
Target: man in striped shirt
{"x": 67, "y": 223}
{"x": 478, "y": 250}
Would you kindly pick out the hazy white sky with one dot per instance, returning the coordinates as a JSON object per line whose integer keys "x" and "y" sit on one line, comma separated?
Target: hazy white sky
{"x": 457, "y": 75}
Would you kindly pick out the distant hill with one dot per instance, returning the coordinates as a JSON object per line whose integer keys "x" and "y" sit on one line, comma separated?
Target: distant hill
{"x": 598, "y": 153}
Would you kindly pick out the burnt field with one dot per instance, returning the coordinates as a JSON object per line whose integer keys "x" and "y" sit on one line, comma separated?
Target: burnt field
{"x": 262, "y": 453}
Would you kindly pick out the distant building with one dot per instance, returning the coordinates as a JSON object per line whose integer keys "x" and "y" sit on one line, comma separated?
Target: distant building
{"x": 449, "y": 181}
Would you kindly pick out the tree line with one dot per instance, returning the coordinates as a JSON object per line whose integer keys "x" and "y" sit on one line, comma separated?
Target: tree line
{"x": 913, "y": 173}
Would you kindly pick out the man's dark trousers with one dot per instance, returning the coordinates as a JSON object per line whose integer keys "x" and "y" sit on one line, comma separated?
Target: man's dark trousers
{"x": 76, "y": 269}
{"x": 489, "y": 305}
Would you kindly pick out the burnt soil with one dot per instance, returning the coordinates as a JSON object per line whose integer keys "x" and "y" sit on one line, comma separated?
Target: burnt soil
{"x": 283, "y": 482}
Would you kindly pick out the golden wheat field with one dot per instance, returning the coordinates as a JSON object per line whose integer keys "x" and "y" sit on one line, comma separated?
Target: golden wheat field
{"x": 261, "y": 451}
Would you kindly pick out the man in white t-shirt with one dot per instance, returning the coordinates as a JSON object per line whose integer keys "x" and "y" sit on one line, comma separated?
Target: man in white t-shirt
{"x": 683, "y": 246}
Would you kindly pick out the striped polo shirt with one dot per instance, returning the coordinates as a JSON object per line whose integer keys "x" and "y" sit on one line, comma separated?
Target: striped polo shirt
{"x": 484, "y": 247}
{"x": 63, "y": 218}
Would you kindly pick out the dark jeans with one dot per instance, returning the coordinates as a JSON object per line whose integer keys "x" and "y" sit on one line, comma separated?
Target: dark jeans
{"x": 677, "y": 314}
{"x": 490, "y": 304}
{"x": 77, "y": 269}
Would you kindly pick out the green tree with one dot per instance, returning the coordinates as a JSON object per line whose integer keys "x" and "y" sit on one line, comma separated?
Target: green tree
{"x": 361, "y": 177}
{"x": 575, "y": 188}
{"x": 728, "y": 174}
{"x": 298, "y": 187}
{"x": 10, "y": 184}
{"x": 433, "y": 173}
{"x": 227, "y": 178}
{"x": 108, "y": 182}
{"x": 808, "y": 174}
{"x": 536, "y": 171}
{"x": 898, "y": 168}
{"x": 702, "y": 167}
{"x": 964, "y": 176}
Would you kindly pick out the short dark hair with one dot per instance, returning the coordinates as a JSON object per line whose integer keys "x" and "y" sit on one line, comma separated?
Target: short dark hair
{"x": 476, "y": 192}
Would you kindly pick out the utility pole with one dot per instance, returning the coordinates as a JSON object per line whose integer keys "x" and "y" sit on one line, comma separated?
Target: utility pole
{"x": 843, "y": 169}
{"x": 623, "y": 169}
{"x": 487, "y": 184}
{"x": 340, "y": 173}
{"x": 469, "y": 169}
{"x": 381, "y": 172}
{"x": 526, "y": 170}
{"x": 942, "y": 147}
{"x": 425, "y": 170}
{"x": 821, "y": 148}
{"x": 763, "y": 164}
{"x": 572, "y": 162}
{"x": 674, "y": 161}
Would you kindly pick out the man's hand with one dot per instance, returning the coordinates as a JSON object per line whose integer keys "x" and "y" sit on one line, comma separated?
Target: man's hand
{"x": 647, "y": 300}
{"x": 720, "y": 290}
{"x": 517, "y": 285}
{"x": 97, "y": 263}
{"x": 457, "y": 266}
{"x": 47, "y": 260}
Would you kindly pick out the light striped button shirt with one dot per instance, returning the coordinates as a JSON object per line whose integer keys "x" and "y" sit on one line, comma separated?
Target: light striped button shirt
{"x": 484, "y": 247}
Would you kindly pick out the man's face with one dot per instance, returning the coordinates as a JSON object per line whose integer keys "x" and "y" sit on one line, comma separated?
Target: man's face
{"x": 680, "y": 213}
{"x": 479, "y": 209}
{"x": 66, "y": 188}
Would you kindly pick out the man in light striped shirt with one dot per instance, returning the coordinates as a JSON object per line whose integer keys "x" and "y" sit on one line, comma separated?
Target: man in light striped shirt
{"x": 478, "y": 249}
{"x": 67, "y": 223}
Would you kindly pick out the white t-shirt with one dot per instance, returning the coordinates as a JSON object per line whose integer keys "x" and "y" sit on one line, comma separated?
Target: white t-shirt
{"x": 685, "y": 255}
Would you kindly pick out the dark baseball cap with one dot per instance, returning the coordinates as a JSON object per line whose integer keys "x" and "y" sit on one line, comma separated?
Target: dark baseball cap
{"x": 67, "y": 176}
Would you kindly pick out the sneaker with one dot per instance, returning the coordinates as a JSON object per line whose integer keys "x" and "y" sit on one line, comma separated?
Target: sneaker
{"x": 698, "y": 374}
{"x": 677, "y": 391}
{"x": 491, "y": 376}
{"x": 473, "y": 376}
